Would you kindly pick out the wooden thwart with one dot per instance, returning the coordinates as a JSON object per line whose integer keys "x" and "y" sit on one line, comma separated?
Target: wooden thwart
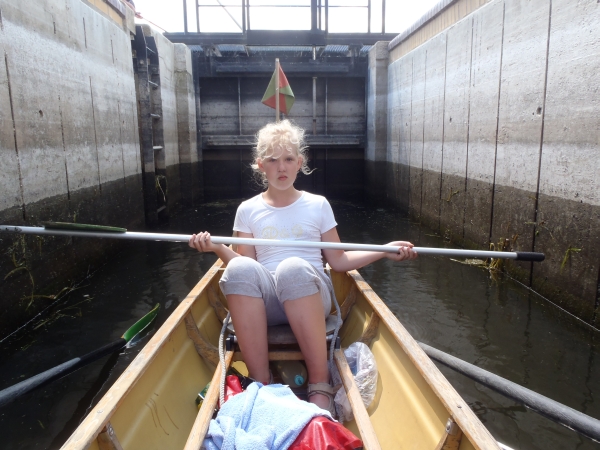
{"x": 107, "y": 439}
{"x": 207, "y": 409}
{"x": 285, "y": 355}
{"x": 451, "y": 438}
{"x": 361, "y": 417}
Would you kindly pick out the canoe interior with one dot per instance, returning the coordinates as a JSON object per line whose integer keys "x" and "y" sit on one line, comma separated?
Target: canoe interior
{"x": 158, "y": 410}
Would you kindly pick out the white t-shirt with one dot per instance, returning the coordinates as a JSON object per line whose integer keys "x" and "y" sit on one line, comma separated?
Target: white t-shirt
{"x": 304, "y": 220}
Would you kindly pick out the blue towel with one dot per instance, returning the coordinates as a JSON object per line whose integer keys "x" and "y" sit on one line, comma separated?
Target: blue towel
{"x": 262, "y": 417}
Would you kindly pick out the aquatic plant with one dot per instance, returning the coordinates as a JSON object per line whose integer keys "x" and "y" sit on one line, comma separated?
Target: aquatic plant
{"x": 568, "y": 256}
{"x": 158, "y": 179}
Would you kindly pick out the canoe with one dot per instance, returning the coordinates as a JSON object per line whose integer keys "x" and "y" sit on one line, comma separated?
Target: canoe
{"x": 152, "y": 404}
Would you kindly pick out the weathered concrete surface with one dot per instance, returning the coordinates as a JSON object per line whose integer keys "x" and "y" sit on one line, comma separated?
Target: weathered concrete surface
{"x": 417, "y": 131}
{"x": 520, "y": 125}
{"x": 569, "y": 201}
{"x": 10, "y": 183}
{"x": 68, "y": 141}
{"x": 483, "y": 115}
{"x": 224, "y": 101}
{"x": 346, "y": 106}
{"x": 399, "y": 129}
{"x": 456, "y": 128}
{"x": 376, "y": 150}
{"x": 186, "y": 127}
{"x": 168, "y": 158}
{"x": 433, "y": 131}
{"x": 520, "y": 139}
{"x": 220, "y": 111}
{"x": 231, "y": 106}
{"x": 339, "y": 173}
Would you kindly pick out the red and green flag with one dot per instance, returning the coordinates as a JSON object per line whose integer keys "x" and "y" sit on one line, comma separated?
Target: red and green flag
{"x": 286, "y": 96}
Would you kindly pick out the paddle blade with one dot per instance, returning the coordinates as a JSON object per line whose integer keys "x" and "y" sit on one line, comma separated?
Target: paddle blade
{"x": 141, "y": 324}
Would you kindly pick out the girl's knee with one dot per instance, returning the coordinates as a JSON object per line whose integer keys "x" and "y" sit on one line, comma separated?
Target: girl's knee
{"x": 294, "y": 269}
{"x": 295, "y": 278}
{"x": 240, "y": 268}
{"x": 242, "y": 276}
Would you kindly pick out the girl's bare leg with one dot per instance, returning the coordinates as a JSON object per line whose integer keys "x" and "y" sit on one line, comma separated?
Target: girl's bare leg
{"x": 250, "y": 323}
{"x": 308, "y": 324}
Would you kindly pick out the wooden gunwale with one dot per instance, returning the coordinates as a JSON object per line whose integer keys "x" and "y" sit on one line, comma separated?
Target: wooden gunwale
{"x": 460, "y": 412}
{"x": 361, "y": 417}
{"x": 200, "y": 427}
{"x": 99, "y": 416}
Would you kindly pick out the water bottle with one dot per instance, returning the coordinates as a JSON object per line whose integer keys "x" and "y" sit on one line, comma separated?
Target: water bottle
{"x": 292, "y": 373}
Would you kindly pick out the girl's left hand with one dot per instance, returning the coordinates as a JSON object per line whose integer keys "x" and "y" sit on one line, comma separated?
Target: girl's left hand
{"x": 405, "y": 251}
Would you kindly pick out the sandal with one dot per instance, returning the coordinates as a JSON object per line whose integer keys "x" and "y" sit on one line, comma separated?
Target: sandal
{"x": 328, "y": 391}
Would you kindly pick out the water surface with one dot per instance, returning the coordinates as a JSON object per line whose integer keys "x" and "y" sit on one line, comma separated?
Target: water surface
{"x": 492, "y": 322}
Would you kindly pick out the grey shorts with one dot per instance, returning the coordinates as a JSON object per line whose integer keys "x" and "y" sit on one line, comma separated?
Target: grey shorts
{"x": 294, "y": 278}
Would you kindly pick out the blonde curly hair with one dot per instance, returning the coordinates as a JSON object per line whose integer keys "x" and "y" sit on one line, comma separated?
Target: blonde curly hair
{"x": 274, "y": 138}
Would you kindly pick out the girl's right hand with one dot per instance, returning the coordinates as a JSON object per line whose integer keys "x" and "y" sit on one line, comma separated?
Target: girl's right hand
{"x": 405, "y": 251}
{"x": 202, "y": 242}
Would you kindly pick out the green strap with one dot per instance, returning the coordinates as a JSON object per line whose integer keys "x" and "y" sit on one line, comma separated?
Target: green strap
{"x": 82, "y": 227}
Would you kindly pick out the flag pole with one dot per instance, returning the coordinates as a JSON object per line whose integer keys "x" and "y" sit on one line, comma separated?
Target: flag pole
{"x": 276, "y": 89}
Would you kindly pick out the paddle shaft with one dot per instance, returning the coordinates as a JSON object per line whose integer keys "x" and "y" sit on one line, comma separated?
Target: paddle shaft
{"x": 557, "y": 412}
{"x": 10, "y": 393}
{"x": 457, "y": 253}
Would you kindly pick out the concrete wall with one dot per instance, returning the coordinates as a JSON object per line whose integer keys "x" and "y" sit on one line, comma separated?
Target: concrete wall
{"x": 493, "y": 134}
{"x": 69, "y": 140}
{"x": 190, "y": 155}
{"x": 376, "y": 151}
{"x": 178, "y": 120}
{"x": 441, "y": 16}
{"x": 232, "y": 107}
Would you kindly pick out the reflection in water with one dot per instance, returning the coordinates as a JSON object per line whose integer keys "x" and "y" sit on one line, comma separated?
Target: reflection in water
{"x": 497, "y": 325}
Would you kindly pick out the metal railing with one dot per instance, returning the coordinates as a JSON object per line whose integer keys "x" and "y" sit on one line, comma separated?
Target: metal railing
{"x": 240, "y": 12}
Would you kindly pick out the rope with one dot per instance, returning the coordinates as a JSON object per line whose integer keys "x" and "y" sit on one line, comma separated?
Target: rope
{"x": 338, "y": 324}
{"x": 222, "y": 360}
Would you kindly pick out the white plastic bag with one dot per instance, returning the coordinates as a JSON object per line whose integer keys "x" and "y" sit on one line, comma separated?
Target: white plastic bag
{"x": 364, "y": 368}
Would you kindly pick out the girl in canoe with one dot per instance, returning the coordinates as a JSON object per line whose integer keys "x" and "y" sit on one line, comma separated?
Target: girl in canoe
{"x": 268, "y": 286}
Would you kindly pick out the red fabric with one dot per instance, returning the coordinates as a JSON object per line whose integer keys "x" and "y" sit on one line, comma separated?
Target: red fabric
{"x": 232, "y": 387}
{"x": 324, "y": 434}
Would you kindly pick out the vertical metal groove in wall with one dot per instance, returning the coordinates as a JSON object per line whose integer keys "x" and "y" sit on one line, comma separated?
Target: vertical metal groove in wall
{"x": 326, "y": 87}
{"x": 423, "y": 148}
{"x": 443, "y": 135}
{"x": 412, "y": 82}
{"x": 95, "y": 134}
{"x": 537, "y": 191}
{"x": 597, "y": 303}
{"x": 497, "y": 124}
{"x": 62, "y": 135}
{"x": 14, "y": 125}
{"x": 468, "y": 130}
{"x": 121, "y": 139}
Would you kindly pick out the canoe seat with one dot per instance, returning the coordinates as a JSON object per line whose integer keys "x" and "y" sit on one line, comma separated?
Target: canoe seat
{"x": 283, "y": 334}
